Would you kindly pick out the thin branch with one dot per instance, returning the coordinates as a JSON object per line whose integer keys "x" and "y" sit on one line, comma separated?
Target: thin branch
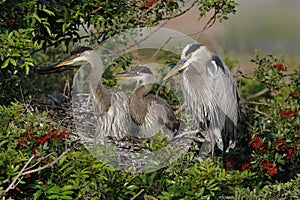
{"x": 181, "y": 13}
{"x": 48, "y": 165}
{"x": 258, "y": 93}
{"x": 158, "y": 50}
{"x": 96, "y": 10}
{"x": 291, "y": 74}
{"x": 38, "y": 161}
{"x": 258, "y": 103}
{"x": 55, "y": 43}
{"x": 13, "y": 185}
{"x": 209, "y": 24}
{"x": 138, "y": 194}
{"x": 150, "y": 197}
{"x": 260, "y": 112}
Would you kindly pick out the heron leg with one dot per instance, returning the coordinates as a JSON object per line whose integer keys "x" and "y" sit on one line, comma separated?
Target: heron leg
{"x": 212, "y": 143}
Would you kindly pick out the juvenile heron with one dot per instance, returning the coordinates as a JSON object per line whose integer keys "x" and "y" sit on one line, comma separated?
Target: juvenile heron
{"x": 211, "y": 95}
{"x": 111, "y": 105}
{"x": 152, "y": 113}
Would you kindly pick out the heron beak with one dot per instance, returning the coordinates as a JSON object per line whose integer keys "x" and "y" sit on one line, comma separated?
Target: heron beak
{"x": 125, "y": 75}
{"x": 179, "y": 66}
{"x": 67, "y": 61}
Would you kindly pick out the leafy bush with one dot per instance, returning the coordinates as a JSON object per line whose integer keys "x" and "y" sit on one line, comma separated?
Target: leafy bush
{"x": 30, "y": 142}
{"x": 275, "y": 127}
{"x": 37, "y": 161}
{"x": 28, "y": 29}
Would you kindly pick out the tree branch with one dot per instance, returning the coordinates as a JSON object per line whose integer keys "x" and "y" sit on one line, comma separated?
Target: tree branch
{"x": 138, "y": 194}
{"x": 260, "y": 112}
{"x": 181, "y": 13}
{"x": 258, "y": 94}
{"x": 208, "y": 24}
{"x": 22, "y": 173}
{"x": 48, "y": 165}
{"x": 13, "y": 185}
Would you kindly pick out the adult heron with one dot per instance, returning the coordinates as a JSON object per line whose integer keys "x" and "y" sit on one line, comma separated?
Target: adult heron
{"x": 152, "y": 113}
{"x": 211, "y": 95}
{"x": 111, "y": 105}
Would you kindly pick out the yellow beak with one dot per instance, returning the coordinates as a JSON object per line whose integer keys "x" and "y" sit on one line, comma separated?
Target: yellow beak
{"x": 179, "y": 66}
{"x": 63, "y": 63}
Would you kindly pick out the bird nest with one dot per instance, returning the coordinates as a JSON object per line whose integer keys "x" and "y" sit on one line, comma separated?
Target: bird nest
{"x": 129, "y": 153}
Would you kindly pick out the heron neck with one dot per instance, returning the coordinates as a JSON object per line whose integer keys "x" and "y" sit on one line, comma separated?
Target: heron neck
{"x": 100, "y": 93}
{"x": 138, "y": 107}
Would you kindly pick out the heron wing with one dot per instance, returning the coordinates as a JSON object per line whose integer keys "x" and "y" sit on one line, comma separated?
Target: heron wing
{"x": 225, "y": 91}
{"x": 170, "y": 119}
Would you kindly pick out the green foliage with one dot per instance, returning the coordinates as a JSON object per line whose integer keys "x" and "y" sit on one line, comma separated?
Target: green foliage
{"x": 288, "y": 190}
{"x": 264, "y": 165}
{"x": 221, "y": 8}
{"x": 29, "y": 29}
{"x": 274, "y": 126}
{"x": 26, "y": 137}
{"x": 78, "y": 175}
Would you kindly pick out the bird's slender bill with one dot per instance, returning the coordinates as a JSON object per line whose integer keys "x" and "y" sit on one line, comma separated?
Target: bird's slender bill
{"x": 179, "y": 66}
{"x": 65, "y": 62}
{"x": 125, "y": 75}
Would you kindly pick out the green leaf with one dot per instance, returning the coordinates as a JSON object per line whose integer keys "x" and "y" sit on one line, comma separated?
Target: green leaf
{"x": 35, "y": 16}
{"x": 37, "y": 194}
{"x": 48, "y": 30}
{"x": 49, "y": 12}
{"x": 26, "y": 69}
{"x": 64, "y": 27}
{"x": 5, "y": 63}
{"x": 55, "y": 196}
{"x": 67, "y": 187}
{"x": 67, "y": 192}
{"x": 54, "y": 189}
{"x": 65, "y": 197}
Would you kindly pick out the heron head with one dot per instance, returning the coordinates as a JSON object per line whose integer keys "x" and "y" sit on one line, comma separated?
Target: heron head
{"x": 140, "y": 73}
{"x": 187, "y": 57}
{"x": 191, "y": 53}
{"x": 81, "y": 53}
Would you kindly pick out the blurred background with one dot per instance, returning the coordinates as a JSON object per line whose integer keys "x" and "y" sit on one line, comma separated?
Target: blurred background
{"x": 270, "y": 26}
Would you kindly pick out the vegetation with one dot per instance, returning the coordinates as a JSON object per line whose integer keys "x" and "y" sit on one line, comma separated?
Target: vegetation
{"x": 38, "y": 161}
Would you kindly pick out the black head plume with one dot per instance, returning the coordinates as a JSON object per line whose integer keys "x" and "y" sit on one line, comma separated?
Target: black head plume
{"x": 80, "y": 50}
{"x": 192, "y": 48}
{"x": 142, "y": 69}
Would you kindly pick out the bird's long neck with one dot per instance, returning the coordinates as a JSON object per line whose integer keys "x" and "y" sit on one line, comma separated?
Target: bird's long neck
{"x": 138, "y": 108}
{"x": 99, "y": 92}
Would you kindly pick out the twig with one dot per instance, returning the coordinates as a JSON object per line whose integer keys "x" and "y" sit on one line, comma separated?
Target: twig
{"x": 48, "y": 165}
{"x": 55, "y": 43}
{"x": 138, "y": 194}
{"x": 181, "y": 13}
{"x": 38, "y": 161}
{"x": 150, "y": 197}
{"x": 13, "y": 185}
{"x": 258, "y": 94}
{"x": 259, "y": 103}
{"x": 96, "y": 10}
{"x": 291, "y": 74}
{"x": 209, "y": 24}
{"x": 260, "y": 112}
{"x": 158, "y": 50}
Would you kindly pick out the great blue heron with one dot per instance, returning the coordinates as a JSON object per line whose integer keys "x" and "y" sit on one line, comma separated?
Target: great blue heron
{"x": 152, "y": 113}
{"x": 111, "y": 105}
{"x": 211, "y": 95}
